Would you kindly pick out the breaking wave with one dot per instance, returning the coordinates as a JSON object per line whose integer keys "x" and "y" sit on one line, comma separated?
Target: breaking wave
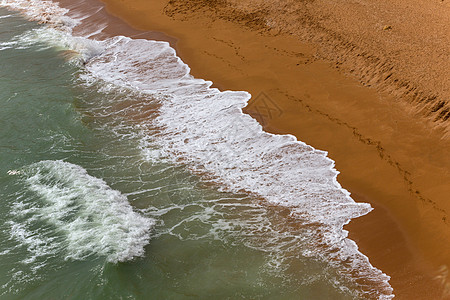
{"x": 206, "y": 130}
{"x": 83, "y": 216}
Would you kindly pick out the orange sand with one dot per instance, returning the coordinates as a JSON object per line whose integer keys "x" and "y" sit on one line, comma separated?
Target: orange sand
{"x": 387, "y": 155}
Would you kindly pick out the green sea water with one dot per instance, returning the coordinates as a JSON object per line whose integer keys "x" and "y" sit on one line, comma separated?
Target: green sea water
{"x": 91, "y": 209}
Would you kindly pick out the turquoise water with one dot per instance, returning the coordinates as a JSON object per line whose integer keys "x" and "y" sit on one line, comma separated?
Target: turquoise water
{"x": 92, "y": 207}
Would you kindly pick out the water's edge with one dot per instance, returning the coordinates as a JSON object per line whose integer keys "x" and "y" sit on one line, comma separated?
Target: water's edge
{"x": 206, "y": 130}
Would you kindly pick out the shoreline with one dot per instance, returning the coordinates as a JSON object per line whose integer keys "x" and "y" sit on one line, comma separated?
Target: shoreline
{"x": 314, "y": 108}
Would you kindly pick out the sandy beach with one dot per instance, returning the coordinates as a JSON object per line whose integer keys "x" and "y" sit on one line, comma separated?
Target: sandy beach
{"x": 366, "y": 81}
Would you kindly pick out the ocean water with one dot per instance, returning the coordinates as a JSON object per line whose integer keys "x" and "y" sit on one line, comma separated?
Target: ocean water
{"x": 123, "y": 177}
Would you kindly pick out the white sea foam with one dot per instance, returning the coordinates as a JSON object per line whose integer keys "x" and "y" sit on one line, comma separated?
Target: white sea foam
{"x": 58, "y": 31}
{"x": 13, "y": 172}
{"x": 46, "y": 38}
{"x": 36, "y": 243}
{"x": 42, "y": 11}
{"x": 91, "y": 218}
{"x": 206, "y": 129}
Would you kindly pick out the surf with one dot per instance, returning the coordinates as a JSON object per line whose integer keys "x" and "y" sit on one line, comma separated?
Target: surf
{"x": 204, "y": 130}
{"x": 83, "y": 212}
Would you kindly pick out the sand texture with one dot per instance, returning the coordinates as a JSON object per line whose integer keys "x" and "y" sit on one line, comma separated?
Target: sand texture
{"x": 368, "y": 81}
{"x": 402, "y": 48}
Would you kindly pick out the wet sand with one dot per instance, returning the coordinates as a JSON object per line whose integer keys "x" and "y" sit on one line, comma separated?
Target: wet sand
{"x": 391, "y": 152}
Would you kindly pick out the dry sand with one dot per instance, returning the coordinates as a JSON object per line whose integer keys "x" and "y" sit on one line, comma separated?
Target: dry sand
{"x": 366, "y": 80}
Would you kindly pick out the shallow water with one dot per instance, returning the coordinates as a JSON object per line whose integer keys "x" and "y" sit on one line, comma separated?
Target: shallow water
{"x": 120, "y": 180}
